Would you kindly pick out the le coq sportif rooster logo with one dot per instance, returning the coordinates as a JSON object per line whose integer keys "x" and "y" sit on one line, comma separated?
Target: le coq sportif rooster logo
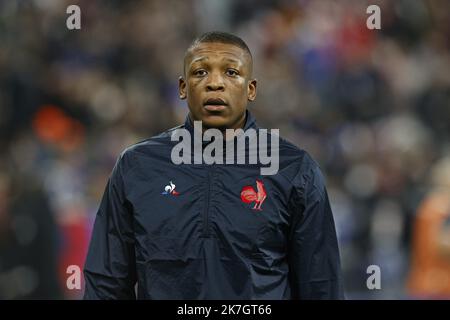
{"x": 170, "y": 189}
{"x": 249, "y": 195}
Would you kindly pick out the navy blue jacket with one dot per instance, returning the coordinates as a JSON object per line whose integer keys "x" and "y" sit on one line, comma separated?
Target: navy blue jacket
{"x": 192, "y": 231}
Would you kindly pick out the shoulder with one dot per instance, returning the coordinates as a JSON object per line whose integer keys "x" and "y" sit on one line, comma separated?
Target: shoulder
{"x": 301, "y": 169}
{"x": 302, "y": 166}
{"x": 147, "y": 148}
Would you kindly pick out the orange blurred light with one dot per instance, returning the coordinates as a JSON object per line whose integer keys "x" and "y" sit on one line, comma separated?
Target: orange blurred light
{"x": 53, "y": 126}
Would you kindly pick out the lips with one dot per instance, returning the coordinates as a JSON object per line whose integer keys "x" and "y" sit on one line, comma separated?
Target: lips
{"x": 215, "y": 104}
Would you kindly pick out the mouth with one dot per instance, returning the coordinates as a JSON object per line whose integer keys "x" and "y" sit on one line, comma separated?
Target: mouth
{"x": 215, "y": 104}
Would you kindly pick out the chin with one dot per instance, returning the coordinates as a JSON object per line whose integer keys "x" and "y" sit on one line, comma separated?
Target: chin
{"x": 215, "y": 122}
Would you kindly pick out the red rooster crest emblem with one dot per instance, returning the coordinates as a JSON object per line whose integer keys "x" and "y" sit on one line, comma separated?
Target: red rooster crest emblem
{"x": 248, "y": 195}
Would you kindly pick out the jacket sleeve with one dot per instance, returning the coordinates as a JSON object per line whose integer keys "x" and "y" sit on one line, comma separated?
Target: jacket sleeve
{"x": 314, "y": 262}
{"x": 110, "y": 271}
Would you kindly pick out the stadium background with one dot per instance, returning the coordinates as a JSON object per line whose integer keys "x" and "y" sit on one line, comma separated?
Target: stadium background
{"x": 371, "y": 106}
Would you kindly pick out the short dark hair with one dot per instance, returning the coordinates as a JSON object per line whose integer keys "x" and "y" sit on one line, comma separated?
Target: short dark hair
{"x": 221, "y": 37}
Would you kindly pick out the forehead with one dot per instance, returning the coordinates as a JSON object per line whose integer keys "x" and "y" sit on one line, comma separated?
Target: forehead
{"x": 216, "y": 50}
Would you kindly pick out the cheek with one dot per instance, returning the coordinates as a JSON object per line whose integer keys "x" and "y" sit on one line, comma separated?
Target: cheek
{"x": 240, "y": 91}
{"x": 193, "y": 88}
{"x": 238, "y": 85}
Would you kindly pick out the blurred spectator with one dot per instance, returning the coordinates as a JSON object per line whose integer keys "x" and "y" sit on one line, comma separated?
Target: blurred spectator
{"x": 28, "y": 241}
{"x": 430, "y": 273}
{"x": 372, "y": 106}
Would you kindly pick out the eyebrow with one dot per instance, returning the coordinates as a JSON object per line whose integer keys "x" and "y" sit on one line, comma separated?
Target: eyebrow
{"x": 223, "y": 59}
{"x": 199, "y": 59}
{"x": 233, "y": 60}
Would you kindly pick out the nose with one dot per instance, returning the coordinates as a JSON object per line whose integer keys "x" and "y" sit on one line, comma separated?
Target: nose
{"x": 215, "y": 82}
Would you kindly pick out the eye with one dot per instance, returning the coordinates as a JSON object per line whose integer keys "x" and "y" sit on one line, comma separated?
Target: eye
{"x": 232, "y": 72}
{"x": 200, "y": 72}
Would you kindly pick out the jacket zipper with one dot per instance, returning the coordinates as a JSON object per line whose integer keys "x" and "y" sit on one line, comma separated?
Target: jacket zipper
{"x": 206, "y": 211}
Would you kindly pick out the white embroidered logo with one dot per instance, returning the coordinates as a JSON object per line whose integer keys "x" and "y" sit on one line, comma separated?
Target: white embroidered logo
{"x": 170, "y": 189}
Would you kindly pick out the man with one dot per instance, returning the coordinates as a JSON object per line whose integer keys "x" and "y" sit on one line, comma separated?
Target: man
{"x": 202, "y": 231}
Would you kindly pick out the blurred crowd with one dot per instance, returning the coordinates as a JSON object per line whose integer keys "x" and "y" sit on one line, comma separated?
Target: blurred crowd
{"x": 371, "y": 106}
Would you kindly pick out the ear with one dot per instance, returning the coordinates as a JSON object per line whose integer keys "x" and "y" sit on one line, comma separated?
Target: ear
{"x": 182, "y": 88}
{"x": 251, "y": 90}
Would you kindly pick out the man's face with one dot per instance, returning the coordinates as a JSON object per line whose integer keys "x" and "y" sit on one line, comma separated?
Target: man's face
{"x": 217, "y": 84}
